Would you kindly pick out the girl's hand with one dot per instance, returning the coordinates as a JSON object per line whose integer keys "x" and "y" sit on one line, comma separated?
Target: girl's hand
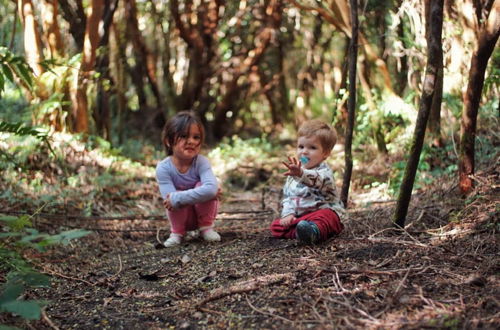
{"x": 286, "y": 221}
{"x": 219, "y": 193}
{"x": 294, "y": 167}
{"x": 168, "y": 203}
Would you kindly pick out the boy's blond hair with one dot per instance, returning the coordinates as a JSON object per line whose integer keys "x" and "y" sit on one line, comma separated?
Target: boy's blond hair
{"x": 324, "y": 132}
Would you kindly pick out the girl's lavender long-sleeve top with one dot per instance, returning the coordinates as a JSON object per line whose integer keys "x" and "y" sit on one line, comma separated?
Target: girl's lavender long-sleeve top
{"x": 182, "y": 186}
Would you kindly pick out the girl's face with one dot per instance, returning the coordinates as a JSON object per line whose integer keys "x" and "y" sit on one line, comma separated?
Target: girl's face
{"x": 310, "y": 151}
{"x": 188, "y": 145}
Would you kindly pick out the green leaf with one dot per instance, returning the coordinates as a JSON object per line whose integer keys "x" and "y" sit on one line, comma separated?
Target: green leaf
{"x": 9, "y": 234}
{"x": 24, "y": 73}
{"x": 11, "y": 291}
{"x": 7, "y": 72}
{"x": 66, "y": 236}
{"x": 33, "y": 279}
{"x": 30, "y": 310}
{"x": 16, "y": 223}
{"x": 2, "y": 82}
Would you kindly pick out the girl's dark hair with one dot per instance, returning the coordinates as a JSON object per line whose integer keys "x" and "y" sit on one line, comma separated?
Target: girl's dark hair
{"x": 179, "y": 125}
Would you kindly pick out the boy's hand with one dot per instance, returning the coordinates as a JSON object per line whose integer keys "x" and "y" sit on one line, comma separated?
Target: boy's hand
{"x": 219, "y": 193}
{"x": 286, "y": 221}
{"x": 168, "y": 203}
{"x": 294, "y": 167}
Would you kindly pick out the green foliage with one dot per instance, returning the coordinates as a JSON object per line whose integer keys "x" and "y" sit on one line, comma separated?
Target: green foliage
{"x": 14, "y": 66}
{"x": 385, "y": 126}
{"x": 454, "y": 103}
{"x": 19, "y": 129}
{"x": 18, "y": 234}
{"x": 433, "y": 164}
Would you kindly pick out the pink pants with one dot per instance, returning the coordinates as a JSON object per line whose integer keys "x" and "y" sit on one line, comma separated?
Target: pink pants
{"x": 327, "y": 221}
{"x": 192, "y": 217}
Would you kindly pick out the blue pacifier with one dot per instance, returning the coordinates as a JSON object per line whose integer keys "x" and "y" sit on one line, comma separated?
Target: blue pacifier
{"x": 304, "y": 160}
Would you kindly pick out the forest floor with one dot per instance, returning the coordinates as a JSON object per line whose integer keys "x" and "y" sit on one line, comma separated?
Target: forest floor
{"x": 441, "y": 272}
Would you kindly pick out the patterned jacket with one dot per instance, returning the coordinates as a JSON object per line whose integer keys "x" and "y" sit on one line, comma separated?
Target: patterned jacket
{"x": 313, "y": 191}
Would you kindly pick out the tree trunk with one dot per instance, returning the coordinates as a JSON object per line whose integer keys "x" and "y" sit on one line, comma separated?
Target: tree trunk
{"x": 351, "y": 118}
{"x": 144, "y": 56}
{"x": 434, "y": 47}
{"x": 51, "y": 28}
{"x": 80, "y": 114}
{"x": 32, "y": 41}
{"x": 102, "y": 113}
{"x": 74, "y": 14}
{"x": 488, "y": 36}
{"x": 117, "y": 54}
{"x": 435, "y": 115}
{"x": 272, "y": 79}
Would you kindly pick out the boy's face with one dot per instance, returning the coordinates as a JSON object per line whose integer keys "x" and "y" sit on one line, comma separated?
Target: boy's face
{"x": 310, "y": 151}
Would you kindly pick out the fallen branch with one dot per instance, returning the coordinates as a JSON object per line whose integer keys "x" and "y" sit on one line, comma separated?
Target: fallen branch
{"x": 245, "y": 286}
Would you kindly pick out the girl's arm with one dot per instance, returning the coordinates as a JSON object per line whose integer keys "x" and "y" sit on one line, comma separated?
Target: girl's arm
{"x": 207, "y": 190}
{"x": 164, "y": 180}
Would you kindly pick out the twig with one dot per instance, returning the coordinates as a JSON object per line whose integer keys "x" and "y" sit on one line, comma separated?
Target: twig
{"x": 158, "y": 236}
{"x": 46, "y": 319}
{"x": 369, "y": 271}
{"x": 211, "y": 311}
{"x": 381, "y": 240}
{"x": 266, "y": 313}
{"x": 120, "y": 268}
{"x": 245, "y": 286}
{"x": 401, "y": 283}
{"x": 51, "y": 272}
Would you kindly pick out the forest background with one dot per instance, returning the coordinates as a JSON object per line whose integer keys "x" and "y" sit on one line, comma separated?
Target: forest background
{"x": 86, "y": 87}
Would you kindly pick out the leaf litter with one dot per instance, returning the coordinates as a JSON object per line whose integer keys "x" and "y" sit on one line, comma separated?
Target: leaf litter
{"x": 441, "y": 272}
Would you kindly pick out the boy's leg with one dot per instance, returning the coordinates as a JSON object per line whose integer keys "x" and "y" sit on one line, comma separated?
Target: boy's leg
{"x": 279, "y": 231}
{"x": 327, "y": 221}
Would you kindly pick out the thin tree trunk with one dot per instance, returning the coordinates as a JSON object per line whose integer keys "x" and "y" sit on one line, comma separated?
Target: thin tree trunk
{"x": 353, "y": 59}
{"x": 118, "y": 58}
{"x": 144, "y": 56}
{"x": 80, "y": 115}
{"x": 435, "y": 115}
{"x": 488, "y": 37}
{"x": 102, "y": 113}
{"x": 51, "y": 28}
{"x": 434, "y": 48}
{"x": 32, "y": 41}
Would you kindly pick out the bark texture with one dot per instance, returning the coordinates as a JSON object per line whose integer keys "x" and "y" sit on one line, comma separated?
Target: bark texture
{"x": 434, "y": 48}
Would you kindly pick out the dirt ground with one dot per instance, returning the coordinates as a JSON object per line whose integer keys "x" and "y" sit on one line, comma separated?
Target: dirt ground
{"x": 442, "y": 272}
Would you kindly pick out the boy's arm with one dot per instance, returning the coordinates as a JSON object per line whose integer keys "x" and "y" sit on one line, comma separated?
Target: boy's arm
{"x": 321, "y": 179}
{"x": 288, "y": 203}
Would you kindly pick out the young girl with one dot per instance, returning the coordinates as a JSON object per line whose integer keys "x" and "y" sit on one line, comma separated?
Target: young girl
{"x": 311, "y": 207}
{"x": 187, "y": 183}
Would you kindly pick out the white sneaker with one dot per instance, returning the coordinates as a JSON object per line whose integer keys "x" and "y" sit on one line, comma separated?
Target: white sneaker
{"x": 173, "y": 240}
{"x": 210, "y": 235}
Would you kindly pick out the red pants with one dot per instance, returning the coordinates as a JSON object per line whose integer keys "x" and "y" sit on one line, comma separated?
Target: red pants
{"x": 327, "y": 221}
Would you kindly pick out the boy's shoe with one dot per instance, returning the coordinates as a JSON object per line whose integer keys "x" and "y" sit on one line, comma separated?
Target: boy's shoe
{"x": 210, "y": 235}
{"x": 307, "y": 232}
{"x": 173, "y": 240}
